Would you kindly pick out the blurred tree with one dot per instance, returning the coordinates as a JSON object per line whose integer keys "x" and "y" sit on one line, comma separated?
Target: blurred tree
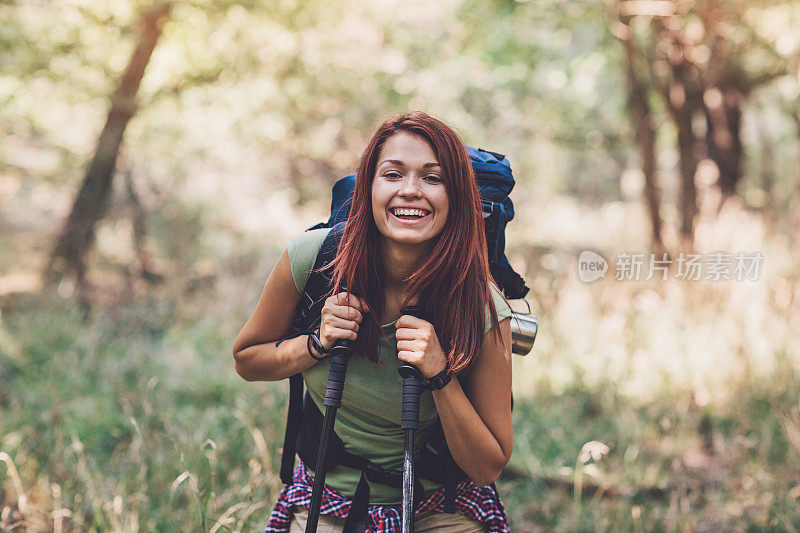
{"x": 729, "y": 77}
{"x": 638, "y": 91}
{"x": 90, "y": 204}
{"x": 704, "y": 59}
{"x": 680, "y": 88}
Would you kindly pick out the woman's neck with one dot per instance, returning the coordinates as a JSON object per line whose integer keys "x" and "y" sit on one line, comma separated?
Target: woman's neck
{"x": 398, "y": 265}
{"x": 400, "y": 262}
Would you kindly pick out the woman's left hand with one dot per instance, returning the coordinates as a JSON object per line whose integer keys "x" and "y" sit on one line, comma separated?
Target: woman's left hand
{"x": 418, "y": 345}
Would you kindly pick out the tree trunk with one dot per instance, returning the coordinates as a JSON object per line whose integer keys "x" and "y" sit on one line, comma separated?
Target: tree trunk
{"x": 77, "y": 234}
{"x": 688, "y": 167}
{"x": 139, "y": 226}
{"x": 643, "y": 126}
{"x": 723, "y": 93}
{"x": 681, "y": 102}
{"x": 770, "y": 205}
{"x": 724, "y": 119}
{"x": 681, "y": 95}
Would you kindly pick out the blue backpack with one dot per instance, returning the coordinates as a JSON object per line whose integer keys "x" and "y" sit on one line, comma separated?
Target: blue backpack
{"x": 495, "y": 182}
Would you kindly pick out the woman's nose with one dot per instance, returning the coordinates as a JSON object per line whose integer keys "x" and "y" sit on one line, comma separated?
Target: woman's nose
{"x": 410, "y": 187}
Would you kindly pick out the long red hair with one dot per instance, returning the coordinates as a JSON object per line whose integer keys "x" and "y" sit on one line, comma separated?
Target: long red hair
{"x": 453, "y": 284}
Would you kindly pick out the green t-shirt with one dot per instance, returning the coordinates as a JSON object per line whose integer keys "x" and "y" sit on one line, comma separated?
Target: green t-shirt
{"x": 368, "y": 422}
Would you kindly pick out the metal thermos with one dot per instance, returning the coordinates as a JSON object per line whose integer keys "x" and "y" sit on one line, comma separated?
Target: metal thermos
{"x": 523, "y": 332}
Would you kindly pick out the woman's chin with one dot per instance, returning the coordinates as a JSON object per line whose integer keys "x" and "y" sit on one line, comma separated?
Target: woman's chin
{"x": 407, "y": 238}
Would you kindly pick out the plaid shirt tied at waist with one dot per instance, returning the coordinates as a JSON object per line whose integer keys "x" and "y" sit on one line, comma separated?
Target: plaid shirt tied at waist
{"x": 478, "y": 503}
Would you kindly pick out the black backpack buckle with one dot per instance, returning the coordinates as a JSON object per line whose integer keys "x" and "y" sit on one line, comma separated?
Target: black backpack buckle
{"x": 376, "y": 474}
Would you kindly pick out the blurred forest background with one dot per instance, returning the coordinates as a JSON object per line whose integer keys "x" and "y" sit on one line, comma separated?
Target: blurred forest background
{"x": 156, "y": 157}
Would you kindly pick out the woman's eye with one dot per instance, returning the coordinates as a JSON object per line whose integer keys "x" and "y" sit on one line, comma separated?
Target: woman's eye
{"x": 434, "y": 178}
{"x": 391, "y": 174}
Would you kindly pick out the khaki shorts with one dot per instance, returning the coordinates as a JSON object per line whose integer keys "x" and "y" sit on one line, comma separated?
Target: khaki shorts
{"x": 430, "y": 521}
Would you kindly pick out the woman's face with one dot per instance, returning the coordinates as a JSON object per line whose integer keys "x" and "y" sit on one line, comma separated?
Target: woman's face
{"x": 409, "y": 198}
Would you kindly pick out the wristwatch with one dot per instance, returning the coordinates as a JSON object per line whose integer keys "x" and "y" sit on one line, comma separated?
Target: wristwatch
{"x": 438, "y": 381}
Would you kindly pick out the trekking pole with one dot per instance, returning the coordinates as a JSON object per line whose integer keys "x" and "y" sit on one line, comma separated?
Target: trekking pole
{"x": 409, "y": 422}
{"x": 340, "y": 353}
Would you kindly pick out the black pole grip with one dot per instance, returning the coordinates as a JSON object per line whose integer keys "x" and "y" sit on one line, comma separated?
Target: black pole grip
{"x": 413, "y": 310}
{"x": 412, "y": 382}
{"x": 412, "y": 388}
{"x": 340, "y": 353}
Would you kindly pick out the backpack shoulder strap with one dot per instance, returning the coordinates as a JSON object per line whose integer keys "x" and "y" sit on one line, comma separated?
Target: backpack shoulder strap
{"x": 308, "y": 312}
{"x": 294, "y": 421}
{"x": 318, "y": 283}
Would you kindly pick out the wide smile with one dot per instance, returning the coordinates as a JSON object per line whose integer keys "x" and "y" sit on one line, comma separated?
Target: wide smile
{"x": 409, "y": 215}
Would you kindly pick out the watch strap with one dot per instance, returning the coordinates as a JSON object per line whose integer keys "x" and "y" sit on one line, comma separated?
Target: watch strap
{"x": 439, "y": 381}
{"x": 316, "y": 344}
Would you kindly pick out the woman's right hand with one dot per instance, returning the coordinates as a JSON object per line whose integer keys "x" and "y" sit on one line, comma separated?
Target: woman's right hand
{"x": 341, "y": 316}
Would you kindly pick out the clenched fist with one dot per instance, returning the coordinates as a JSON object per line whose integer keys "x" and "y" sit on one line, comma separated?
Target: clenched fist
{"x": 418, "y": 345}
{"x": 340, "y": 319}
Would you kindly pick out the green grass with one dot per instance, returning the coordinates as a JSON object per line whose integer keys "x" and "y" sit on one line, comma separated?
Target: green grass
{"x": 671, "y": 464}
{"x": 105, "y": 410}
{"x": 132, "y": 418}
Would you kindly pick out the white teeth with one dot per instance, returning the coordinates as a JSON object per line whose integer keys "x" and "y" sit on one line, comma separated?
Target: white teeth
{"x": 409, "y": 212}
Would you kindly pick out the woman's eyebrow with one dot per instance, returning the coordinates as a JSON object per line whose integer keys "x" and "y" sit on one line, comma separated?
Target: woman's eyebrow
{"x": 399, "y": 163}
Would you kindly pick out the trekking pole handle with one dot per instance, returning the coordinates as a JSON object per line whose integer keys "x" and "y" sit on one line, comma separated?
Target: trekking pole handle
{"x": 413, "y": 381}
{"x": 340, "y": 353}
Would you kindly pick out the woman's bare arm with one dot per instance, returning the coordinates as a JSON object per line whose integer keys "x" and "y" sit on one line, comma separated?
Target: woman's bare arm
{"x": 257, "y": 357}
{"x": 477, "y": 421}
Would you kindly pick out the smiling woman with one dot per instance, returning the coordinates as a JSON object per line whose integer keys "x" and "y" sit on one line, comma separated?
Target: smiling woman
{"x": 414, "y": 236}
{"x": 409, "y": 197}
